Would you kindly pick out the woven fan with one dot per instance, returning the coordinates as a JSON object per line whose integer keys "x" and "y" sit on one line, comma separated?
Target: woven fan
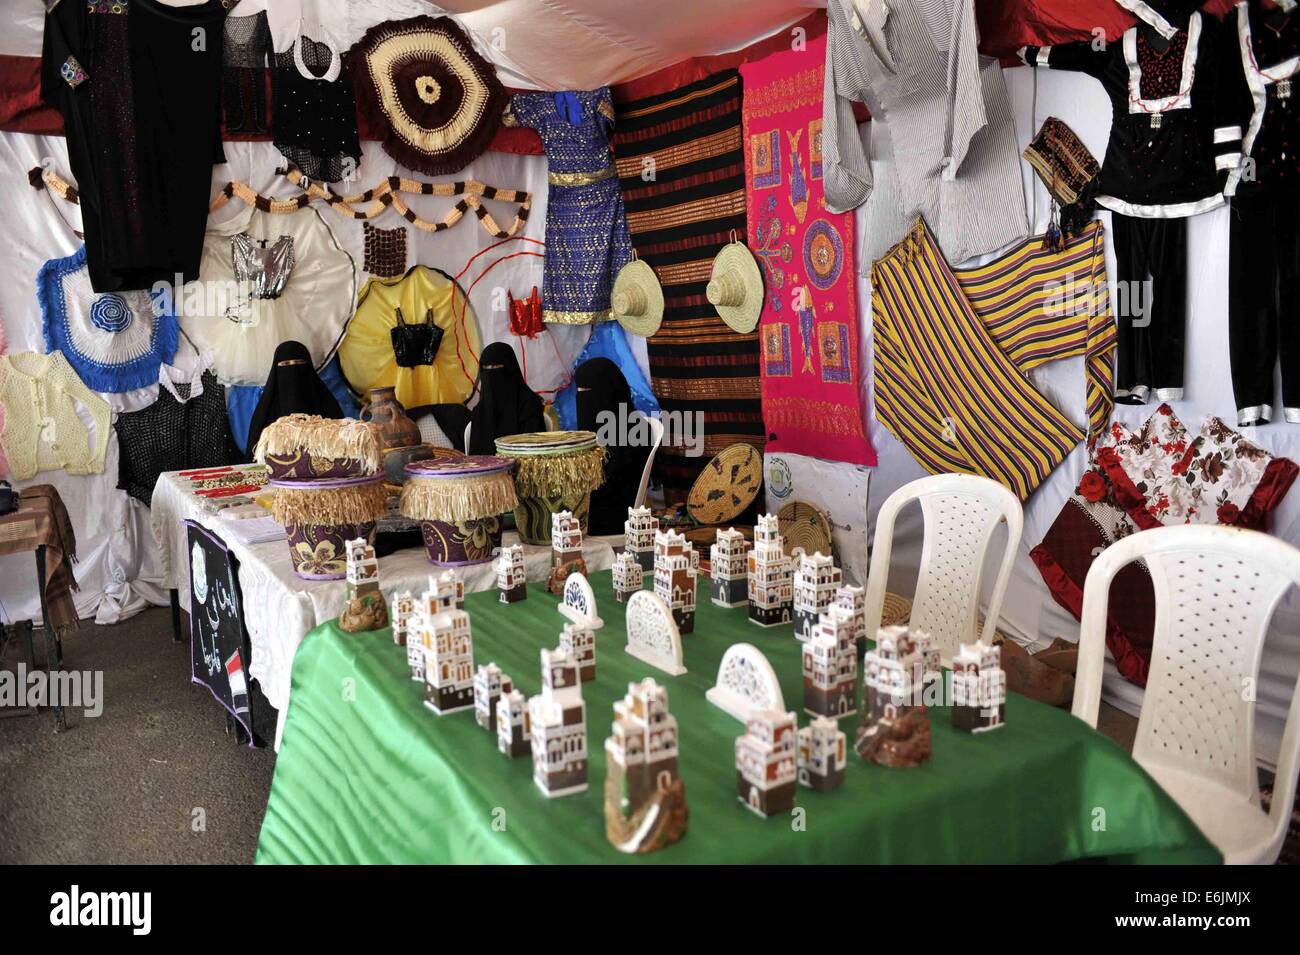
{"x": 803, "y": 525}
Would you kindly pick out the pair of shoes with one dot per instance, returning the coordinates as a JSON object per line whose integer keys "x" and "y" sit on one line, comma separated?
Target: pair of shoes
{"x": 1061, "y": 655}
{"x": 1029, "y": 676}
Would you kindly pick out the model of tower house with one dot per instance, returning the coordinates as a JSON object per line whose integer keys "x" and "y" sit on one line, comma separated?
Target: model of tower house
{"x": 769, "y": 575}
{"x": 892, "y": 675}
{"x": 730, "y": 577}
{"x": 566, "y": 549}
{"x": 823, "y": 755}
{"x": 979, "y": 688}
{"x": 676, "y": 564}
{"x": 580, "y": 641}
{"x": 444, "y": 631}
{"x": 511, "y": 582}
{"x": 489, "y": 684}
{"x": 642, "y": 747}
{"x": 850, "y": 599}
{"x": 765, "y": 762}
{"x": 362, "y": 569}
{"x": 442, "y": 595}
{"x": 557, "y": 718}
{"x": 815, "y": 581}
{"x": 639, "y": 536}
{"x": 512, "y": 724}
{"x": 403, "y": 612}
{"x": 629, "y": 576}
{"x": 830, "y": 667}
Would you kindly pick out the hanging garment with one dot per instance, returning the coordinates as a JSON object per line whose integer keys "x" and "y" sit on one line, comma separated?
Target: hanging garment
{"x": 1258, "y": 140}
{"x": 315, "y": 122}
{"x": 131, "y": 84}
{"x": 1151, "y": 295}
{"x": 811, "y": 368}
{"x": 245, "y": 57}
{"x": 1159, "y": 161}
{"x": 293, "y": 387}
{"x": 587, "y": 238}
{"x": 266, "y": 279}
{"x": 115, "y": 341}
{"x": 185, "y": 428}
{"x": 952, "y": 348}
{"x": 506, "y": 405}
{"x": 440, "y": 102}
{"x": 955, "y": 161}
{"x": 42, "y": 430}
{"x": 604, "y": 403}
{"x": 681, "y": 218}
{"x": 367, "y": 354}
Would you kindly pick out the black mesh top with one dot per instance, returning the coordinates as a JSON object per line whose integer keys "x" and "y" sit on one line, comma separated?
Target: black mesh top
{"x": 245, "y": 59}
{"x": 315, "y": 116}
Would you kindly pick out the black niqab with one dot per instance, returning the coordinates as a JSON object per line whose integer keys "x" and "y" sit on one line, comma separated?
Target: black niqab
{"x": 506, "y": 405}
{"x": 602, "y": 388}
{"x": 293, "y": 387}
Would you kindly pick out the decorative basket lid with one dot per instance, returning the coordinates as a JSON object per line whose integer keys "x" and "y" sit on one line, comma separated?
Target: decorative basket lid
{"x": 803, "y": 525}
{"x": 727, "y": 485}
{"x": 333, "y": 438}
{"x": 546, "y": 443}
{"x": 460, "y": 489}
{"x": 459, "y": 467}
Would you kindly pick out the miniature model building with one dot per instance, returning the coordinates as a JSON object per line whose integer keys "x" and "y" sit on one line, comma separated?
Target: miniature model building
{"x": 639, "y": 536}
{"x": 579, "y": 639}
{"x": 513, "y": 734}
{"x": 365, "y": 608}
{"x": 402, "y": 614}
{"x": 979, "y": 688}
{"x": 645, "y": 800}
{"x": 823, "y": 755}
{"x": 852, "y": 600}
{"x": 765, "y": 763}
{"x": 566, "y": 550}
{"x": 557, "y": 718}
{"x": 629, "y": 576}
{"x": 442, "y": 631}
{"x": 816, "y": 578}
{"x": 489, "y": 684}
{"x": 730, "y": 576}
{"x": 895, "y": 729}
{"x": 676, "y": 566}
{"x": 830, "y": 667}
{"x": 511, "y": 581}
{"x": 769, "y": 574}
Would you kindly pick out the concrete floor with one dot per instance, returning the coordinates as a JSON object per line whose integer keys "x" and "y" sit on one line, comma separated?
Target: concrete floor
{"x": 124, "y": 787}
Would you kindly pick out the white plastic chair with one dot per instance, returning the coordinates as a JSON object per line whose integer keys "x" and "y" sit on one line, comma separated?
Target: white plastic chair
{"x": 961, "y": 512}
{"x": 657, "y": 430}
{"x": 547, "y": 424}
{"x": 1215, "y": 590}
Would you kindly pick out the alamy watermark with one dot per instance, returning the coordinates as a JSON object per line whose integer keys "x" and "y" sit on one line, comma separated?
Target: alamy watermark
{"x": 1083, "y": 296}
{"x": 630, "y": 428}
{"x": 73, "y": 689}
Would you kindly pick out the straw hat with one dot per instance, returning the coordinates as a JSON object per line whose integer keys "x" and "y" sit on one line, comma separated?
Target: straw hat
{"x": 638, "y": 299}
{"x": 736, "y": 287}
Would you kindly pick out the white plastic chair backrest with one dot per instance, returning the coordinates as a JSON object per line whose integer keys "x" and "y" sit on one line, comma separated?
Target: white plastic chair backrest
{"x": 657, "y": 431}
{"x": 468, "y": 425}
{"x": 1215, "y": 590}
{"x": 961, "y": 512}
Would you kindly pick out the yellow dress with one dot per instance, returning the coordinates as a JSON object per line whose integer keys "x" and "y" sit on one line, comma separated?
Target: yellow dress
{"x": 366, "y": 354}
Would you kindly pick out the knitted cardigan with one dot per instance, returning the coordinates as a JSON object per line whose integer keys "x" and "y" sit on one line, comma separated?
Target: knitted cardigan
{"x": 42, "y": 430}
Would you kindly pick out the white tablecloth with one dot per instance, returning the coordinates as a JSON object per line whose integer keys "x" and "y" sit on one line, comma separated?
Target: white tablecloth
{"x": 280, "y": 608}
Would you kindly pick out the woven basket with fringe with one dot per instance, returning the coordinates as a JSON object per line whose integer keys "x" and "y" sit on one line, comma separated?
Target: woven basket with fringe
{"x": 331, "y": 439}
{"x": 459, "y": 490}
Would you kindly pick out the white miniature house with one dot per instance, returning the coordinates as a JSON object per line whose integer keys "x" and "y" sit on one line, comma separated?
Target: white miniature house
{"x": 639, "y": 535}
{"x": 558, "y": 722}
{"x": 823, "y": 755}
{"x": 629, "y": 576}
{"x": 830, "y": 666}
{"x": 816, "y": 579}
{"x": 400, "y": 617}
{"x": 512, "y": 581}
{"x": 979, "y": 688}
{"x": 729, "y": 575}
{"x": 765, "y": 763}
{"x": 442, "y": 631}
{"x": 770, "y": 575}
{"x": 489, "y": 684}
{"x": 676, "y": 567}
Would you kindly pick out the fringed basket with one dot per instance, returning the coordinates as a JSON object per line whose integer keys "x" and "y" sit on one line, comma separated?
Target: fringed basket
{"x": 309, "y": 446}
{"x": 554, "y": 471}
{"x": 320, "y": 514}
{"x": 459, "y": 504}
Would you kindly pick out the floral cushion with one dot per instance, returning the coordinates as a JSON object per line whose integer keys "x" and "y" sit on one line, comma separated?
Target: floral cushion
{"x": 1163, "y": 474}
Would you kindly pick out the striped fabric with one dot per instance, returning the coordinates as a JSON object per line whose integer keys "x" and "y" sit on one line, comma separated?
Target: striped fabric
{"x": 681, "y": 171}
{"x": 952, "y": 348}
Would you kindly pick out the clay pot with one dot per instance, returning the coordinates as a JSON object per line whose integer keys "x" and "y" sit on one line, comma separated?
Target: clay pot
{"x": 395, "y": 428}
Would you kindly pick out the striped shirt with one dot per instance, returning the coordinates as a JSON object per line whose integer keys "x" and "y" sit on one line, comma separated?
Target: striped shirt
{"x": 954, "y": 145}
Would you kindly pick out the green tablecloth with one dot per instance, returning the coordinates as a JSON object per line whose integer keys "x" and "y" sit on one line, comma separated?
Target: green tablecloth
{"x": 367, "y": 774}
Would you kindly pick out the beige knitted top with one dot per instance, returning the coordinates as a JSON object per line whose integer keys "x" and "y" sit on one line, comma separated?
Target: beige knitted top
{"x": 42, "y": 430}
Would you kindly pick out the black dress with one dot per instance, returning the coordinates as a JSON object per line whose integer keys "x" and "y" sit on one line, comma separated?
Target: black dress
{"x": 315, "y": 122}
{"x": 138, "y": 85}
{"x": 173, "y": 435}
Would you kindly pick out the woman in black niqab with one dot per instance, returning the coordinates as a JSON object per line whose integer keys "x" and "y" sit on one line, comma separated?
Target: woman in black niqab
{"x": 506, "y": 405}
{"x": 293, "y": 387}
{"x": 604, "y": 398}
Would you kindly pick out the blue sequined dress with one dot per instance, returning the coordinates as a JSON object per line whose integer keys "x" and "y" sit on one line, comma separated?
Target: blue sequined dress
{"x": 587, "y": 240}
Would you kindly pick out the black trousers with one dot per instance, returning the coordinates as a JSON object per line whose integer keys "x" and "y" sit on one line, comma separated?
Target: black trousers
{"x": 1264, "y": 303}
{"x": 1150, "y": 307}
